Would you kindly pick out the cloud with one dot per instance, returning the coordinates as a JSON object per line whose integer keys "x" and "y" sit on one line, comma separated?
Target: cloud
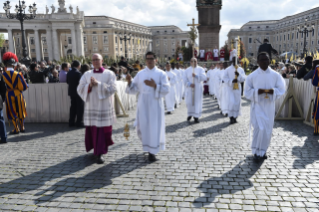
{"x": 234, "y": 13}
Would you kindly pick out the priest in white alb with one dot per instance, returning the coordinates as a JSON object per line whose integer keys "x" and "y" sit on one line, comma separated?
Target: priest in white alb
{"x": 262, "y": 88}
{"x": 210, "y": 80}
{"x": 193, "y": 78}
{"x": 97, "y": 88}
{"x": 234, "y": 95}
{"x": 170, "y": 97}
{"x": 178, "y": 84}
{"x": 152, "y": 85}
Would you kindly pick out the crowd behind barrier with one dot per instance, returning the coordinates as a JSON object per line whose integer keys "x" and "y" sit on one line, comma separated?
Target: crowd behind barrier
{"x": 50, "y": 103}
{"x": 304, "y": 91}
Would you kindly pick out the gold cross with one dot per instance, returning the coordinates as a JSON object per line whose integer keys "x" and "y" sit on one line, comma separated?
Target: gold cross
{"x": 193, "y": 24}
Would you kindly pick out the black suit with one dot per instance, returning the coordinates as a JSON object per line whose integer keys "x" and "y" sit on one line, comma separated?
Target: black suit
{"x": 77, "y": 105}
{"x": 267, "y": 48}
{"x": 3, "y": 89}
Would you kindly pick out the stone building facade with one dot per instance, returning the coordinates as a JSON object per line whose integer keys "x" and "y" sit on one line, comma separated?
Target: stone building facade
{"x": 62, "y": 32}
{"x": 282, "y": 34}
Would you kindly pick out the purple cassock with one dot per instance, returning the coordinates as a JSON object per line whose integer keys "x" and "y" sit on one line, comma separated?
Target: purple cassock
{"x": 98, "y": 138}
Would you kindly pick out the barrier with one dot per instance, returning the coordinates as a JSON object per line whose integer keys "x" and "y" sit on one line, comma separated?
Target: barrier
{"x": 50, "y": 103}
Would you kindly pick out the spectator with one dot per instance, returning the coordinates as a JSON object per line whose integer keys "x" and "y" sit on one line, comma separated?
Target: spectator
{"x": 25, "y": 73}
{"x": 84, "y": 68}
{"x": 35, "y": 75}
{"x": 123, "y": 62}
{"x": 105, "y": 65}
{"x": 133, "y": 74}
{"x": 123, "y": 72}
{"x": 55, "y": 76}
{"x": 137, "y": 65}
{"x": 310, "y": 74}
{"x": 116, "y": 71}
{"x": 305, "y": 68}
{"x": 77, "y": 104}
{"x": 64, "y": 71}
{"x": 291, "y": 70}
{"x": 281, "y": 68}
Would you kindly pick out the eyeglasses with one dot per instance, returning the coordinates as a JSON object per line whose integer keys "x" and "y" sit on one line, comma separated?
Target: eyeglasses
{"x": 150, "y": 59}
{"x": 95, "y": 60}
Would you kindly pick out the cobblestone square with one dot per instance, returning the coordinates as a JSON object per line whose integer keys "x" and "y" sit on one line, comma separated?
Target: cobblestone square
{"x": 206, "y": 167}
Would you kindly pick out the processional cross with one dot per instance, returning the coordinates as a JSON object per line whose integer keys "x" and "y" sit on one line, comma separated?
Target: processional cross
{"x": 193, "y": 25}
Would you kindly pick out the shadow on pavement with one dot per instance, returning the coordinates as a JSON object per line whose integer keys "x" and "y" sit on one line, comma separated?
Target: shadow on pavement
{"x": 231, "y": 182}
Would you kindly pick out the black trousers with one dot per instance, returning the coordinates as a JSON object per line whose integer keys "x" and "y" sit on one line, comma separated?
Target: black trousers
{"x": 76, "y": 111}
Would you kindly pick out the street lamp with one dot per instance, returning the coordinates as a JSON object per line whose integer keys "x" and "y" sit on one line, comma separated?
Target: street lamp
{"x": 125, "y": 37}
{"x": 305, "y": 32}
{"x": 21, "y": 16}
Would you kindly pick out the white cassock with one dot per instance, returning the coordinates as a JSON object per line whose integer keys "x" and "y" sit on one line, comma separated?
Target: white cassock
{"x": 150, "y": 117}
{"x": 196, "y": 109}
{"x": 223, "y": 95}
{"x": 262, "y": 111}
{"x": 177, "y": 85}
{"x": 220, "y": 76}
{"x": 183, "y": 84}
{"x": 210, "y": 81}
{"x": 170, "y": 97}
{"x": 180, "y": 85}
{"x": 216, "y": 77}
{"x": 234, "y": 96}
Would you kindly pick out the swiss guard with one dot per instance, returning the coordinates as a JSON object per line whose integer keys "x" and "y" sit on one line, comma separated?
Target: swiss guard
{"x": 15, "y": 103}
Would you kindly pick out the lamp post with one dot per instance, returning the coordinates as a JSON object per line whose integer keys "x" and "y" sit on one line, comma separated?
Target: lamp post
{"x": 125, "y": 37}
{"x": 21, "y": 16}
{"x": 305, "y": 32}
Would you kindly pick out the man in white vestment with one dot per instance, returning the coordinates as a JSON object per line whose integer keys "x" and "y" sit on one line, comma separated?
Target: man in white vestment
{"x": 216, "y": 81}
{"x": 210, "y": 80}
{"x": 193, "y": 78}
{"x": 177, "y": 85}
{"x": 170, "y": 97}
{"x": 234, "y": 95}
{"x": 152, "y": 85}
{"x": 262, "y": 88}
{"x": 181, "y": 82}
{"x": 97, "y": 88}
{"x": 223, "y": 95}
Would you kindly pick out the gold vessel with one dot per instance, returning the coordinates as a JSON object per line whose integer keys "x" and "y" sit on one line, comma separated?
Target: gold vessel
{"x": 235, "y": 86}
{"x": 126, "y": 131}
{"x": 267, "y": 91}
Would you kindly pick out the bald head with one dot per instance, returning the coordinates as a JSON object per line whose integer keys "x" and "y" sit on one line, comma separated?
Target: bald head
{"x": 97, "y": 60}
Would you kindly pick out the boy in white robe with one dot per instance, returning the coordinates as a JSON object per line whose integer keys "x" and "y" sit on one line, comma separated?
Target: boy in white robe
{"x": 234, "y": 95}
{"x": 194, "y": 82}
{"x": 262, "y": 88}
{"x": 170, "y": 97}
{"x": 216, "y": 81}
{"x": 152, "y": 85}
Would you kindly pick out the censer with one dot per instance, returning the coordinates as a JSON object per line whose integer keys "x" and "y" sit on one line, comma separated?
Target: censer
{"x": 235, "y": 86}
{"x": 126, "y": 131}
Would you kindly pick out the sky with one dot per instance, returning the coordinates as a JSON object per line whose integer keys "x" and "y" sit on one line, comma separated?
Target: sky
{"x": 233, "y": 15}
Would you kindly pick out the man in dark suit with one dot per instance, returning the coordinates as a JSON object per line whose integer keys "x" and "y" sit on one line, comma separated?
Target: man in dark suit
{"x": 267, "y": 47}
{"x": 3, "y": 131}
{"x": 77, "y": 105}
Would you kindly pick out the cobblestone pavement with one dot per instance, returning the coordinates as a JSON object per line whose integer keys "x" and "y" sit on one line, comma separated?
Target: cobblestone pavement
{"x": 206, "y": 167}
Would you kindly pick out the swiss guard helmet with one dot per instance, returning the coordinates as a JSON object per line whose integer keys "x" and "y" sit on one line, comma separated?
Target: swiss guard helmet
{"x": 9, "y": 59}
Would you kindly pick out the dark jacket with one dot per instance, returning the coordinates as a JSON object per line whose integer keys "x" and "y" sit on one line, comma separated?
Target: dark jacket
{"x": 309, "y": 75}
{"x": 73, "y": 78}
{"x": 3, "y": 89}
{"x": 53, "y": 80}
{"x": 38, "y": 77}
{"x": 266, "y": 47}
{"x": 304, "y": 70}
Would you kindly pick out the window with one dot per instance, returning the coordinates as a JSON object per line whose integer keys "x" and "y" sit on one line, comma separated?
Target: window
{"x": 297, "y": 35}
{"x": 173, "y": 50}
{"x": 116, "y": 49}
{"x": 284, "y": 37}
{"x": 84, "y": 40}
{"x": 106, "y": 49}
{"x": 258, "y": 27}
{"x": 94, "y": 22}
{"x": 292, "y": 36}
{"x": 45, "y": 50}
{"x": 267, "y": 26}
{"x": 165, "y": 43}
{"x": 249, "y": 27}
{"x": 32, "y": 40}
{"x": 288, "y": 36}
{"x": 32, "y": 50}
{"x": 115, "y": 39}
{"x": 173, "y": 43}
{"x": 44, "y": 40}
{"x": 95, "y": 49}
{"x": 94, "y": 32}
{"x": 105, "y": 39}
{"x": 69, "y": 40}
{"x": 121, "y": 49}
{"x": 313, "y": 32}
{"x": 312, "y": 43}
{"x": 280, "y": 37}
{"x": 105, "y": 32}
{"x": 277, "y": 37}
{"x": 85, "y": 49}
{"x": 18, "y": 41}
{"x": 250, "y": 40}
{"x": 94, "y": 39}
{"x": 120, "y": 41}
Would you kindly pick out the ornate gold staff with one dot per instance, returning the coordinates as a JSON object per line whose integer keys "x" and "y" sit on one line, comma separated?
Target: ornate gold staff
{"x": 235, "y": 86}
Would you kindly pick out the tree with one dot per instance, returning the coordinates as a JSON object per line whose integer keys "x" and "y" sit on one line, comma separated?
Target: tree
{"x": 2, "y": 40}
{"x": 226, "y": 48}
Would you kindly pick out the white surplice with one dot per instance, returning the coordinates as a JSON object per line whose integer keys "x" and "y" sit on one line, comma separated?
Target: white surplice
{"x": 234, "y": 96}
{"x": 177, "y": 85}
{"x": 210, "y": 82}
{"x": 196, "y": 109}
{"x": 181, "y": 82}
{"x": 223, "y": 95}
{"x": 170, "y": 97}
{"x": 99, "y": 103}
{"x": 150, "y": 118}
{"x": 262, "y": 111}
{"x": 216, "y": 80}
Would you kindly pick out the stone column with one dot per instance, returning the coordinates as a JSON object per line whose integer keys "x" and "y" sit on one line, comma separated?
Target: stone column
{"x": 10, "y": 38}
{"x": 49, "y": 44}
{"x": 56, "y": 50}
{"x": 41, "y": 47}
{"x": 73, "y": 42}
{"x": 79, "y": 39}
{"x": 37, "y": 45}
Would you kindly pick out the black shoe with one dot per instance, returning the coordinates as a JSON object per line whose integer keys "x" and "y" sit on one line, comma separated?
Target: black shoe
{"x": 22, "y": 131}
{"x": 100, "y": 159}
{"x": 315, "y": 134}
{"x": 196, "y": 120}
{"x": 231, "y": 120}
{"x": 151, "y": 157}
{"x": 226, "y": 115}
{"x": 189, "y": 118}
{"x": 14, "y": 132}
{"x": 256, "y": 158}
{"x": 71, "y": 125}
{"x": 80, "y": 126}
{"x": 175, "y": 106}
{"x": 168, "y": 113}
{"x": 221, "y": 113}
{"x": 265, "y": 156}
{"x": 235, "y": 120}
{"x": 3, "y": 142}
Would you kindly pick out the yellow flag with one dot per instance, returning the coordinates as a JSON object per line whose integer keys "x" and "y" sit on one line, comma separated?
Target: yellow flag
{"x": 292, "y": 57}
{"x": 310, "y": 54}
{"x": 305, "y": 55}
{"x": 138, "y": 41}
{"x": 286, "y": 56}
{"x": 317, "y": 53}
